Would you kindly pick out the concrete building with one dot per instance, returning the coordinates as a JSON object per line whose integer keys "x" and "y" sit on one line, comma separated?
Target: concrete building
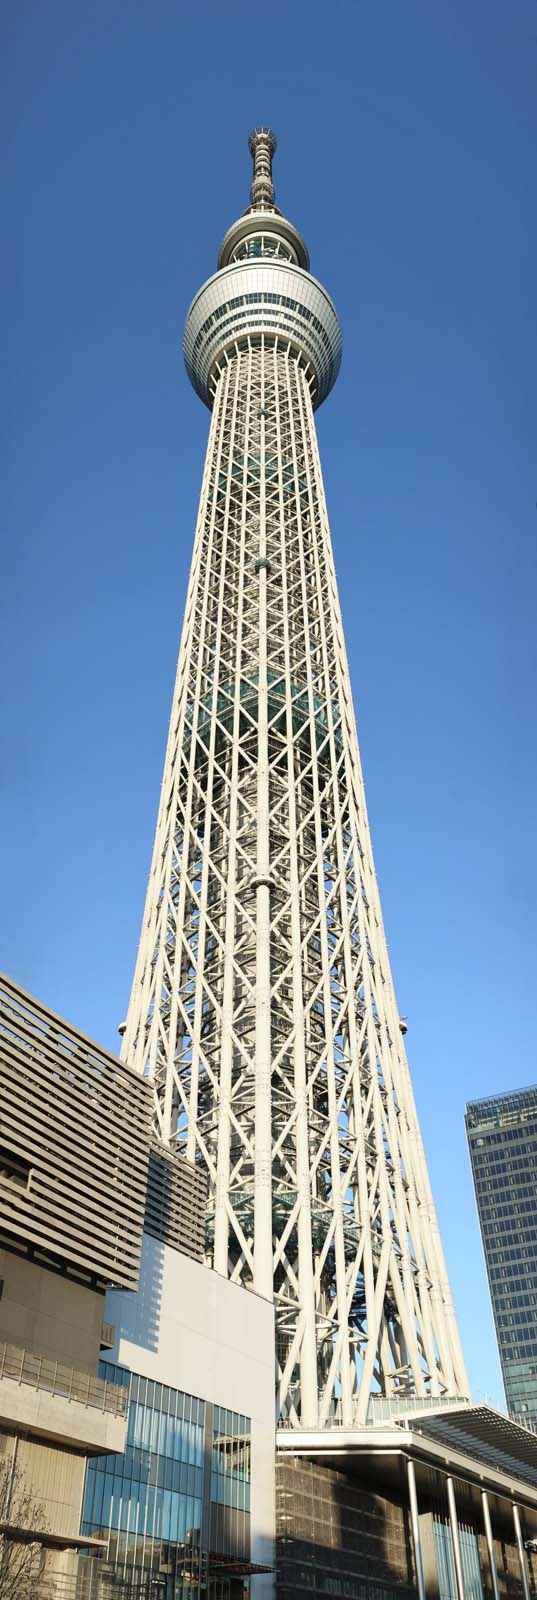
{"x": 192, "y": 1501}
{"x": 136, "y": 1433}
{"x": 502, "y": 1140}
{"x": 74, "y": 1147}
{"x": 438, "y": 1503}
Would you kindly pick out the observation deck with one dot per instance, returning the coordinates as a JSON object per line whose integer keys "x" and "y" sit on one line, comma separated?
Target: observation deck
{"x": 263, "y": 288}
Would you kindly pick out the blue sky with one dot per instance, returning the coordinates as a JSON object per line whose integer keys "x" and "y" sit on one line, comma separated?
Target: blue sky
{"x": 406, "y": 156}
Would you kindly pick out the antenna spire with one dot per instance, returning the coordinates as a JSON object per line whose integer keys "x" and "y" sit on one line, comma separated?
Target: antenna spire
{"x": 262, "y": 144}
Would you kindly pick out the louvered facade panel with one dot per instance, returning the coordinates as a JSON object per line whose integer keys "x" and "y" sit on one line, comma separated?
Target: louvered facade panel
{"x": 176, "y": 1202}
{"x": 74, "y": 1145}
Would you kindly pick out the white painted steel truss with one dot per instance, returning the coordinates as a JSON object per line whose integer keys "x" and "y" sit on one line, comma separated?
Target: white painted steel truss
{"x": 263, "y": 1005}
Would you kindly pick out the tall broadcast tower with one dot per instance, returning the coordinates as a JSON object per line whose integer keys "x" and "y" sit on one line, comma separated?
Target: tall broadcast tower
{"x": 263, "y": 1005}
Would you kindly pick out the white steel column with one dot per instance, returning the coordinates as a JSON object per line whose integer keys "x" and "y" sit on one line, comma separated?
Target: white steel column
{"x": 306, "y": 1329}
{"x": 457, "y": 1557}
{"x": 263, "y": 1044}
{"x": 415, "y": 1521}
{"x": 521, "y": 1553}
{"x": 490, "y": 1545}
{"x": 221, "y": 1215}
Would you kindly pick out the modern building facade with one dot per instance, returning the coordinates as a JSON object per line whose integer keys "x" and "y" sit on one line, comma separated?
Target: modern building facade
{"x": 148, "y": 1503}
{"x": 191, "y": 1503}
{"x": 502, "y": 1139}
{"x": 435, "y": 1503}
{"x": 75, "y": 1128}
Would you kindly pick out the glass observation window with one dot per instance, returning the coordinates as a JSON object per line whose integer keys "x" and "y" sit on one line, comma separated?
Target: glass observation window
{"x": 262, "y": 244}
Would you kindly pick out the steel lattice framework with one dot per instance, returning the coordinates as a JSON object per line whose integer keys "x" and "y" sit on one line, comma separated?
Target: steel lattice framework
{"x": 263, "y": 1006}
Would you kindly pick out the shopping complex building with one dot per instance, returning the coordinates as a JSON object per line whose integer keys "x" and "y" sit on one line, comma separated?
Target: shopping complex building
{"x": 74, "y": 1132}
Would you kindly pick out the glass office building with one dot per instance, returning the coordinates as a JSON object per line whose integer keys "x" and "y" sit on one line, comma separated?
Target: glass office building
{"x": 174, "y": 1510}
{"x": 502, "y": 1136}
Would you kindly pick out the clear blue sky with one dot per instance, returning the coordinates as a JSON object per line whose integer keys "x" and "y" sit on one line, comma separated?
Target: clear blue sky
{"x": 406, "y": 155}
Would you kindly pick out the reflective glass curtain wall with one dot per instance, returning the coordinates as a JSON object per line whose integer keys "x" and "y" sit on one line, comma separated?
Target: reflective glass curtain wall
{"x": 447, "y": 1582}
{"x": 502, "y": 1136}
{"x": 181, "y": 1487}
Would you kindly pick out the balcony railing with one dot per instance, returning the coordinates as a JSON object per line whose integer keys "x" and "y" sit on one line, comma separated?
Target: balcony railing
{"x": 22, "y": 1366}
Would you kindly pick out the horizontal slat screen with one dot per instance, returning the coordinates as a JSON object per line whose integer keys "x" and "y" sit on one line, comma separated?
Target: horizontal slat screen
{"x": 176, "y": 1200}
{"x": 80, "y": 1121}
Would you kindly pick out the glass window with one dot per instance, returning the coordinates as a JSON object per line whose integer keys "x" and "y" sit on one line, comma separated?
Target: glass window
{"x": 181, "y": 1524}
{"x": 146, "y": 1427}
{"x": 154, "y": 1429}
{"x": 108, "y": 1489}
{"x": 153, "y": 1493}
{"x": 161, "y": 1435}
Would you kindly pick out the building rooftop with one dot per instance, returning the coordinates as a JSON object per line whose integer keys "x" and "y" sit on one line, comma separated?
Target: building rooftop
{"x": 501, "y": 1100}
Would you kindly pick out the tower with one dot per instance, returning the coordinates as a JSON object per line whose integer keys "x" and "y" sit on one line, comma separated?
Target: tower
{"x": 263, "y": 1006}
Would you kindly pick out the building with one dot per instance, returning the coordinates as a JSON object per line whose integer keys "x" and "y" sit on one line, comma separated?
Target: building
{"x": 114, "y": 1481}
{"x": 74, "y": 1129}
{"x": 438, "y": 1503}
{"x": 192, "y": 1498}
{"x": 502, "y": 1139}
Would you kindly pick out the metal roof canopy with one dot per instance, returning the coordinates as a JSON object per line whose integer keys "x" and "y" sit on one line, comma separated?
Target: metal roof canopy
{"x": 486, "y": 1435}
{"x": 474, "y": 1444}
{"x": 49, "y": 1538}
{"x": 234, "y": 1566}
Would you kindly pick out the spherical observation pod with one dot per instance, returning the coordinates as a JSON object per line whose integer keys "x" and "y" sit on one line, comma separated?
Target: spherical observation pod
{"x": 272, "y": 297}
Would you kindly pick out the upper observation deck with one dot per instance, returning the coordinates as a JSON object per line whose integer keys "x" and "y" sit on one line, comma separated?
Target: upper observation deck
{"x": 263, "y": 287}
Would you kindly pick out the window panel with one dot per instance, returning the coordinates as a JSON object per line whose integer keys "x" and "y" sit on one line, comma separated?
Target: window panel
{"x": 153, "y": 1493}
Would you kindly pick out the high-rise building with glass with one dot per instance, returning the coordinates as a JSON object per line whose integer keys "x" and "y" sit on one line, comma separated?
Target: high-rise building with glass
{"x": 502, "y": 1138}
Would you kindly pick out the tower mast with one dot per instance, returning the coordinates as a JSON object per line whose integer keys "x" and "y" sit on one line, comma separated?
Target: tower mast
{"x": 263, "y": 1005}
